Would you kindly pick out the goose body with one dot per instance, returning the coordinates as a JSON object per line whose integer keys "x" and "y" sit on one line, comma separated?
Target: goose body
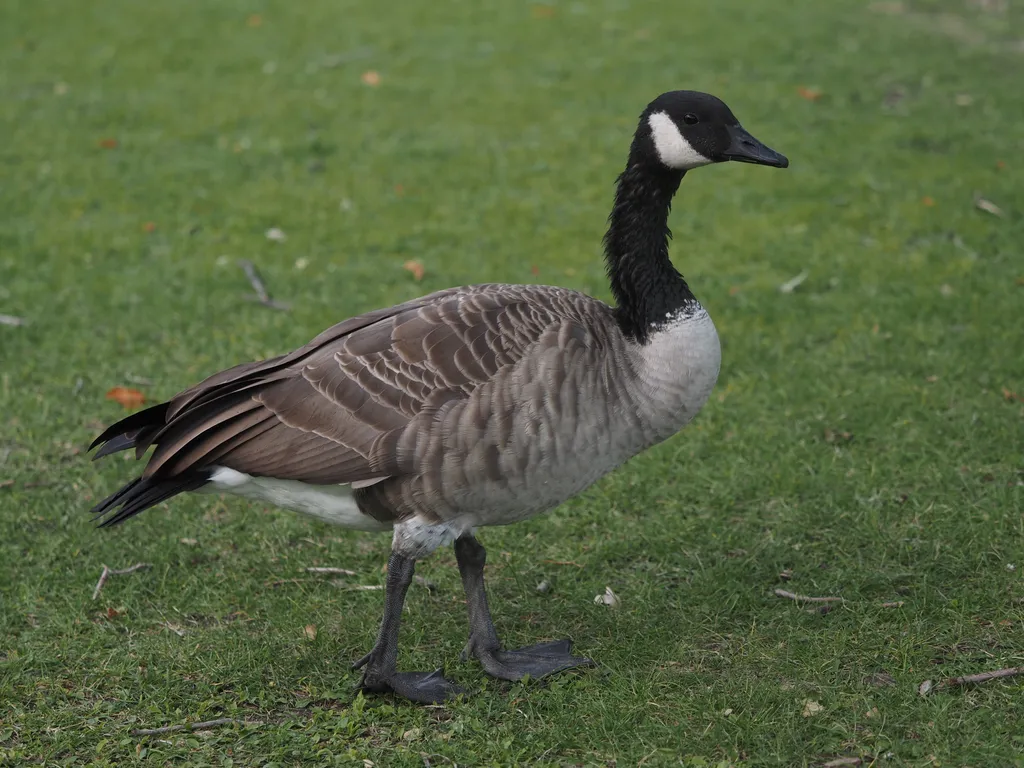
{"x": 523, "y": 436}
{"x": 469, "y": 407}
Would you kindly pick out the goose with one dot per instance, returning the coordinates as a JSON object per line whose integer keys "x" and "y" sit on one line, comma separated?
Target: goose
{"x": 469, "y": 407}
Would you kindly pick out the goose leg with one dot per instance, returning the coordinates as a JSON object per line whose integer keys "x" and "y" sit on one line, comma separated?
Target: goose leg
{"x": 535, "y": 660}
{"x": 381, "y": 674}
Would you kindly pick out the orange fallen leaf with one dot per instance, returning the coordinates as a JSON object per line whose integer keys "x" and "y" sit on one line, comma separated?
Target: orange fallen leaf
{"x": 371, "y": 77}
{"x": 542, "y": 11}
{"x": 1000, "y": 165}
{"x": 733, "y": 290}
{"x": 310, "y": 631}
{"x": 399, "y": 189}
{"x": 414, "y": 268}
{"x": 149, "y": 226}
{"x": 108, "y": 143}
{"x": 928, "y": 201}
{"x": 811, "y": 94}
{"x": 113, "y": 613}
{"x": 1011, "y": 396}
{"x": 129, "y": 398}
{"x": 534, "y": 270}
{"x": 254, "y": 21}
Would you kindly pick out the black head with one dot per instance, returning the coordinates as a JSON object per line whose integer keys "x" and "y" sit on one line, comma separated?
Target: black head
{"x": 687, "y": 129}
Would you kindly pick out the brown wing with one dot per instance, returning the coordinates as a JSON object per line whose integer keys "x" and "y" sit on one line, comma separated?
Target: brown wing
{"x": 332, "y": 411}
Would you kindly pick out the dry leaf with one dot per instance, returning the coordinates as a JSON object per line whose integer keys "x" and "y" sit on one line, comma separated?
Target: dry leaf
{"x": 189, "y": 542}
{"x": 925, "y": 688}
{"x": 129, "y": 398}
{"x": 988, "y": 206}
{"x": 927, "y": 201}
{"x": 880, "y": 679}
{"x": 414, "y": 268}
{"x": 534, "y": 270}
{"x": 370, "y": 77}
{"x": 1000, "y": 165}
{"x": 276, "y": 234}
{"x": 112, "y": 613}
{"x": 964, "y": 99}
{"x": 175, "y": 628}
{"x": 309, "y": 631}
{"x": 254, "y": 21}
{"x": 843, "y": 762}
{"x": 108, "y": 143}
{"x": 1011, "y": 396}
{"x": 149, "y": 226}
{"x": 831, "y": 436}
{"x": 609, "y": 598}
{"x": 811, "y": 708}
{"x": 542, "y": 11}
{"x": 894, "y": 96}
{"x": 811, "y": 94}
{"x": 412, "y": 734}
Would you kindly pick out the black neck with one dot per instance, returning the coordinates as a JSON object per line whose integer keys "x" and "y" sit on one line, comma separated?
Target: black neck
{"x": 646, "y": 286}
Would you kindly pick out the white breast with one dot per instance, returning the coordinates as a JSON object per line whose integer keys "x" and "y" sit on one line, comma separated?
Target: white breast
{"x": 677, "y": 369}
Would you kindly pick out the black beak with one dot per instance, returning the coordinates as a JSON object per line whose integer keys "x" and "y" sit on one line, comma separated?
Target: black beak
{"x": 746, "y": 149}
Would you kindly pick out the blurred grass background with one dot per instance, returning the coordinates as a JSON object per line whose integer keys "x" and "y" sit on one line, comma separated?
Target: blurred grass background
{"x": 865, "y": 439}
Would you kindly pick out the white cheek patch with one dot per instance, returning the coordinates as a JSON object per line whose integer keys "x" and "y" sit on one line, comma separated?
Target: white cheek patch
{"x": 673, "y": 150}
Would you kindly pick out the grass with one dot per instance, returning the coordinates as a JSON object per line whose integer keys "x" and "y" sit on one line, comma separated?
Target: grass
{"x": 864, "y": 436}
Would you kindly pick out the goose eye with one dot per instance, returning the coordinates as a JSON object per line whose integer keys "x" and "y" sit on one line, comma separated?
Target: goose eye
{"x": 690, "y": 119}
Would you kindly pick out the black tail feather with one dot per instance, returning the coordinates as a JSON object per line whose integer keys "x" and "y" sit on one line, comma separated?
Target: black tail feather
{"x": 142, "y": 493}
{"x": 131, "y": 429}
{"x": 118, "y": 443}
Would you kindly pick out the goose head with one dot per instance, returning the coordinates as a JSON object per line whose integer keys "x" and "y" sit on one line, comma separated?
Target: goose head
{"x": 682, "y": 130}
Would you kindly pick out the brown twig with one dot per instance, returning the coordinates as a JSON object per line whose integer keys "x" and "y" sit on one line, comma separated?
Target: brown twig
{"x": 805, "y": 599}
{"x": 108, "y": 572}
{"x": 341, "y": 571}
{"x": 259, "y": 287}
{"x": 984, "y": 677}
{"x": 203, "y": 726}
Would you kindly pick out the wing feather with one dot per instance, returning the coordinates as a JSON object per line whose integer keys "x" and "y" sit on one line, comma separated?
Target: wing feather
{"x": 339, "y": 409}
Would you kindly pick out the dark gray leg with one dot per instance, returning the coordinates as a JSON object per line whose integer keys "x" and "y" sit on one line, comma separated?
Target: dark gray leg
{"x": 536, "y": 660}
{"x": 381, "y": 675}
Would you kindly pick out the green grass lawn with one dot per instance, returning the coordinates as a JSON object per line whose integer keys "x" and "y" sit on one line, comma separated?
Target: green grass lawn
{"x": 866, "y": 438}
